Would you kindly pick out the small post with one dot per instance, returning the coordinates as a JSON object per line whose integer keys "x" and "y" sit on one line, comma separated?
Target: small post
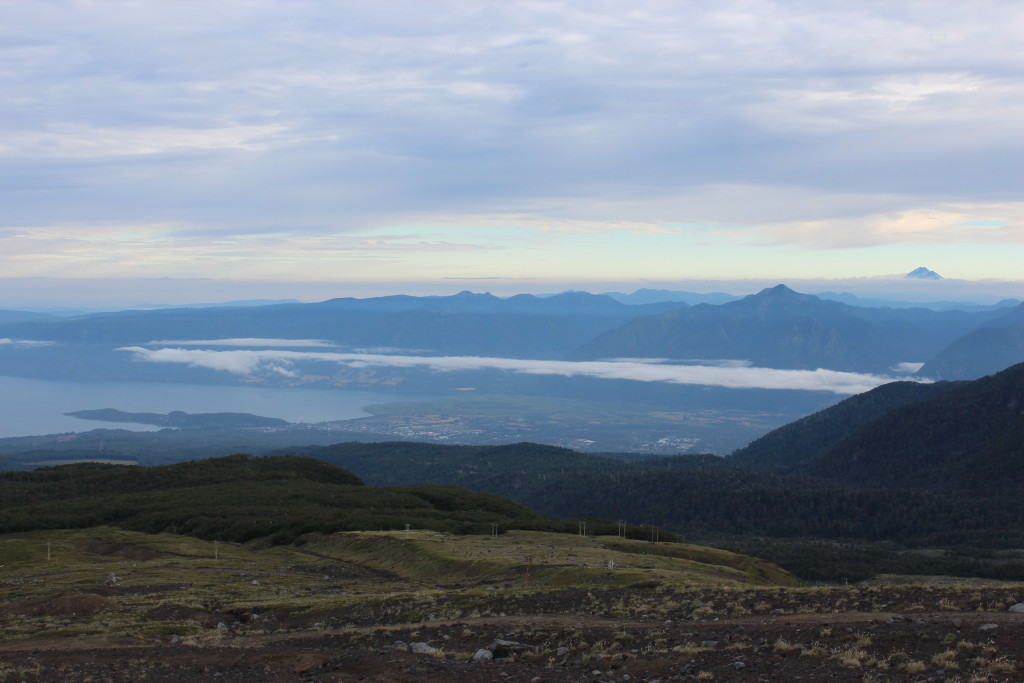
{"x": 526, "y": 577}
{"x": 48, "y": 545}
{"x": 216, "y": 550}
{"x": 494, "y": 530}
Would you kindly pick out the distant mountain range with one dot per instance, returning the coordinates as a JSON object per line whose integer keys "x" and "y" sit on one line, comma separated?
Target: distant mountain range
{"x": 923, "y": 273}
{"x": 521, "y": 326}
{"x": 24, "y": 316}
{"x": 775, "y": 328}
{"x": 780, "y": 328}
{"x": 650, "y": 296}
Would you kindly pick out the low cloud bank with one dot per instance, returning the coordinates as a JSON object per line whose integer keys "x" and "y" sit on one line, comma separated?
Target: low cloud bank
{"x": 246, "y": 341}
{"x": 908, "y": 367}
{"x": 7, "y": 341}
{"x": 245, "y": 362}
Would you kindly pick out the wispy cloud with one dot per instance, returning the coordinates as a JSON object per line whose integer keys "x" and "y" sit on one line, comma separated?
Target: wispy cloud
{"x": 245, "y": 341}
{"x": 7, "y": 341}
{"x": 938, "y": 224}
{"x": 731, "y": 375}
{"x": 301, "y": 139}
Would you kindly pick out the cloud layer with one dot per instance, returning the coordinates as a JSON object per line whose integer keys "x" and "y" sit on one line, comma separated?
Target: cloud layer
{"x": 7, "y": 341}
{"x": 731, "y": 374}
{"x": 245, "y": 341}
{"x": 298, "y": 139}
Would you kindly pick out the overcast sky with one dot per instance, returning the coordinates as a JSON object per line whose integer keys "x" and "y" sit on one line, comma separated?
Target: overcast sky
{"x": 494, "y": 145}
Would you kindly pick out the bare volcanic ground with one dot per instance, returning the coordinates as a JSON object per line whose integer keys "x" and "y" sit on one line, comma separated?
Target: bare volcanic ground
{"x": 876, "y": 633}
{"x": 110, "y": 605}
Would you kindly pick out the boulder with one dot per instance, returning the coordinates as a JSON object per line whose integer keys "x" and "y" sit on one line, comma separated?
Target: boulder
{"x": 506, "y": 648}
{"x": 1019, "y": 608}
{"x": 421, "y": 649}
{"x": 483, "y": 655}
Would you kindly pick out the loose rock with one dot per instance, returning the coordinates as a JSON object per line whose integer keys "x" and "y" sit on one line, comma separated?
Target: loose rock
{"x": 422, "y": 649}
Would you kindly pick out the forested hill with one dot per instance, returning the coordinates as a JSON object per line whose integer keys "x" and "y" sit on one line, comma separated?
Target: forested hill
{"x": 984, "y": 351}
{"x": 797, "y": 443}
{"x": 507, "y": 469}
{"x": 696, "y": 495}
{"x": 970, "y": 436}
{"x": 240, "y": 498}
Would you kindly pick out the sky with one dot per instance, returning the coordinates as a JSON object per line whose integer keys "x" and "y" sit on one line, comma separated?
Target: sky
{"x": 194, "y": 151}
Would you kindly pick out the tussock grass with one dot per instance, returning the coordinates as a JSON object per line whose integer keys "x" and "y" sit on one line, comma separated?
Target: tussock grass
{"x": 177, "y": 585}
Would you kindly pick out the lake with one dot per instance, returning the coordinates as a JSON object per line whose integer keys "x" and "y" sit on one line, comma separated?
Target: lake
{"x": 32, "y": 406}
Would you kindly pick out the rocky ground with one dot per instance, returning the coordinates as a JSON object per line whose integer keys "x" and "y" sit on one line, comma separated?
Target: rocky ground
{"x": 955, "y": 632}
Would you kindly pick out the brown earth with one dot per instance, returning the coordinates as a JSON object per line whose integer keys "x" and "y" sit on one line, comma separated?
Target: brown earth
{"x": 955, "y": 633}
{"x": 60, "y": 604}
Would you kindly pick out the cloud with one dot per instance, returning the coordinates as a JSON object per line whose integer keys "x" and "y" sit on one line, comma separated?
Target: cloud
{"x": 134, "y": 250}
{"x": 244, "y": 341}
{"x": 72, "y": 141}
{"x": 939, "y": 224}
{"x": 7, "y": 341}
{"x": 731, "y": 374}
{"x": 287, "y": 137}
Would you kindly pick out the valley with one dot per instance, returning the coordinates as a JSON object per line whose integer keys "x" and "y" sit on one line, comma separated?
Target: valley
{"x": 601, "y": 510}
{"x": 593, "y": 426}
{"x": 511, "y": 342}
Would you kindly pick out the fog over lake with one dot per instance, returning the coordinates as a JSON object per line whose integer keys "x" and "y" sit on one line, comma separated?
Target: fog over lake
{"x": 32, "y": 406}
